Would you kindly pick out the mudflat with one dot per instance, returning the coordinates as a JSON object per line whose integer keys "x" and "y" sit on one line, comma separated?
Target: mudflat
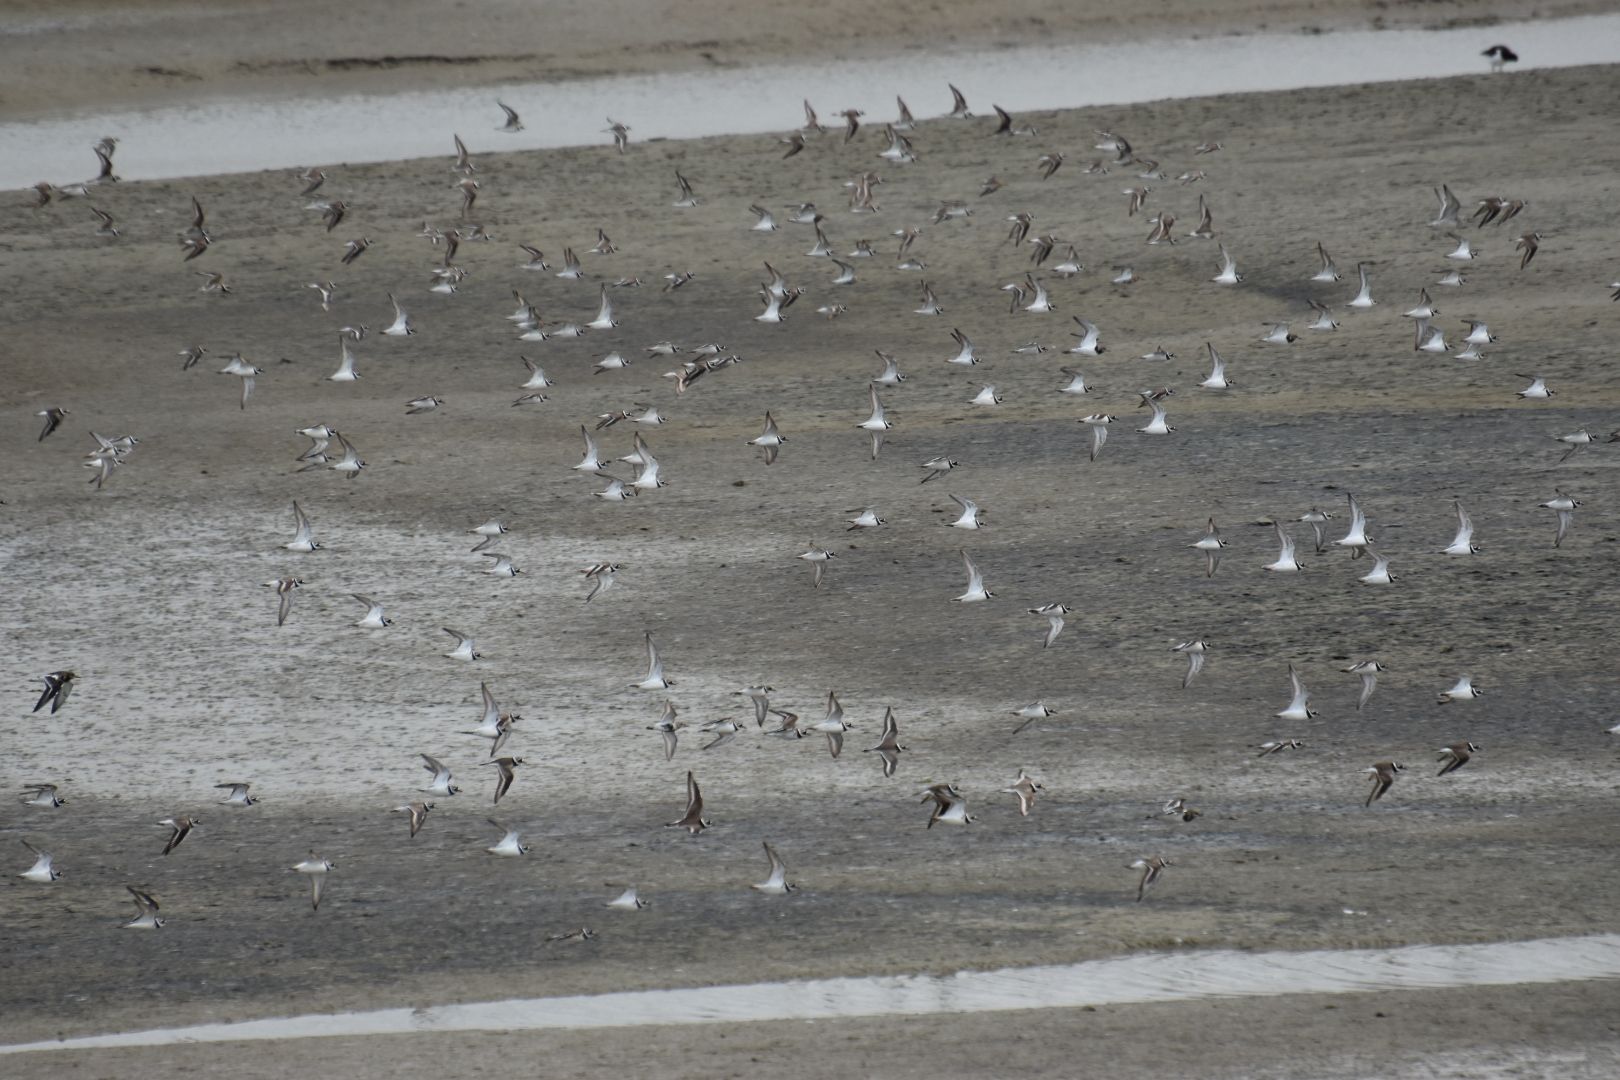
{"x": 71, "y": 54}
{"x": 151, "y": 590}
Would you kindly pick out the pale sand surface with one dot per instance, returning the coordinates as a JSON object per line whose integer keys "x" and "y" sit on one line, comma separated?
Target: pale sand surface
{"x": 1559, "y": 1032}
{"x": 150, "y": 589}
{"x": 69, "y": 54}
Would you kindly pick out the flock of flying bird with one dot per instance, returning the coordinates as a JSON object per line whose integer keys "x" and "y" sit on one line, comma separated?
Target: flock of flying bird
{"x": 330, "y": 449}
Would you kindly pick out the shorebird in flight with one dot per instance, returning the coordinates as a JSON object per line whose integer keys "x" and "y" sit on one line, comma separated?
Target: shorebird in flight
{"x": 58, "y": 686}
{"x": 876, "y": 424}
{"x": 818, "y": 558}
{"x": 1035, "y": 710}
{"x": 349, "y": 464}
{"x": 1054, "y": 616}
{"x": 975, "y": 587}
{"x": 864, "y": 519}
{"x": 832, "y": 725}
{"x": 1379, "y": 574}
{"x": 760, "y": 698}
{"x": 284, "y": 589}
{"x": 180, "y": 827}
{"x": 1299, "y": 705}
{"x": 317, "y": 868}
{"x": 1287, "y": 562}
{"x": 1216, "y": 380}
{"x": 1356, "y": 537}
{"x": 401, "y": 326}
{"x": 352, "y": 249}
{"x": 238, "y": 794}
{"x": 1098, "y": 423}
{"x": 1363, "y": 298}
{"x": 106, "y": 227}
{"x": 669, "y": 728}
{"x": 969, "y": 518}
{"x": 1574, "y": 440}
{"x": 303, "y": 534}
{"x": 1383, "y": 775}
{"x": 465, "y": 646}
{"x": 495, "y": 725}
{"x": 1463, "y": 690}
{"x": 1211, "y": 544}
{"x": 441, "y": 784}
{"x": 1536, "y": 391}
{"x": 42, "y": 871}
{"x": 693, "y": 820}
{"x": 1024, "y": 788}
{"x": 503, "y": 565}
{"x": 654, "y": 679}
{"x": 1195, "y": 651}
{"x": 513, "y": 125}
{"x": 601, "y": 577}
{"x": 1463, "y": 542}
{"x": 777, "y": 883}
{"x": 1564, "y": 507}
{"x": 1450, "y": 207}
{"x": 1317, "y": 518}
{"x": 146, "y": 911}
{"x": 1151, "y": 869}
{"x": 1328, "y": 271}
{"x": 1456, "y": 756}
{"x": 463, "y": 161}
{"x": 1276, "y": 745}
{"x": 1497, "y": 209}
{"x": 1089, "y": 336}
{"x": 770, "y": 440}
{"x": 510, "y": 845}
{"x": 627, "y": 900}
{"x": 42, "y": 795}
{"x": 1158, "y": 425}
{"x": 950, "y": 808}
{"x": 1076, "y": 383}
{"x": 1367, "y": 671}
{"x": 418, "y": 812}
{"x": 888, "y": 747}
{"x": 891, "y": 375}
{"x": 505, "y": 771}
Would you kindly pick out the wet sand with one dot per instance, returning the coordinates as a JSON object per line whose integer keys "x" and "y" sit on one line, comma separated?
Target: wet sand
{"x": 150, "y": 589}
{"x": 70, "y": 54}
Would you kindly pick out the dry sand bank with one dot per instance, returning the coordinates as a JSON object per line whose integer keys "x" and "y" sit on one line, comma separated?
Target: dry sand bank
{"x": 76, "y": 54}
{"x": 151, "y": 587}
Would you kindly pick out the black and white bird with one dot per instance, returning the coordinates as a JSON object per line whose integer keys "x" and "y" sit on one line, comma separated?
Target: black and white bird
{"x": 1500, "y": 56}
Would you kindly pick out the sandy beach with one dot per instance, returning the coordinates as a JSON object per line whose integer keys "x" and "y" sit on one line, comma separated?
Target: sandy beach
{"x": 151, "y": 588}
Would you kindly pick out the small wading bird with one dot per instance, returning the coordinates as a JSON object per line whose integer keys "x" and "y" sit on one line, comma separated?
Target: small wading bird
{"x": 950, "y": 808}
{"x": 888, "y": 747}
{"x": 58, "y": 685}
{"x": 777, "y": 883}
{"x": 375, "y": 617}
{"x": 1151, "y": 869}
{"x": 693, "y": 820}
{"x": 418, "y": 812}
{"x": 317, "y": 868}
{"x": 1456, "y": 756}
{"x": 1383, "y": 775}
